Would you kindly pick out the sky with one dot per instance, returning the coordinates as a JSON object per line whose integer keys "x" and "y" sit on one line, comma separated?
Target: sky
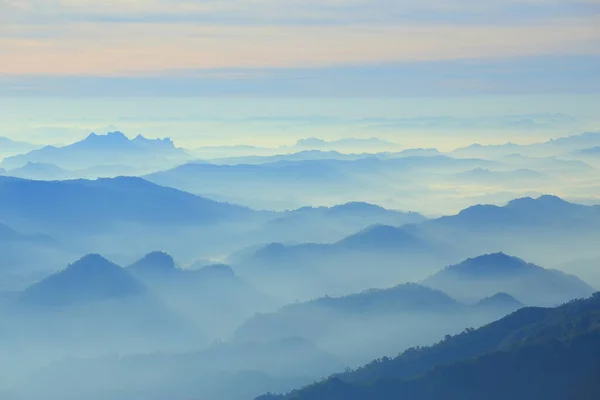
{"x": 305, "y": 50}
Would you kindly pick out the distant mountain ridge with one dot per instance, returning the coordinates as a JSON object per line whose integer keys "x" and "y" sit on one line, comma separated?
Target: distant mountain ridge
{"x": 297, "y": 182}
{"x": 493, "y": 273}
{"x": 8, "y": 234}
{"x": 344, "y": 144}
{"x": 9, "y": 146}
{"x": 311, "y": 318}
{"x": 384, "y": 238}
{"x": 376, "y": 254}
{"x": 378, "y": 314}
{"x": 545, "y": 210}
{"x": 39, "y": 171}
{"x": 95, "y": 150}
{"x": 592, "y": 151}
{"x": 558, "y": 146}
{"x": 335, "y": 222}
{"x": 99, "y": 204}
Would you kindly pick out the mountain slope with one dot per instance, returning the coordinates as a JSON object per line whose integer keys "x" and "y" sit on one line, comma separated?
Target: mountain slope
{"x": 40, "y": 171}
{"x": 94, "y": 307}
{"x": 335, "y": 223}
{"x": 529, "y": 213}
{"x": 26, "y": 257}
{"x": 547, "y": 229}
{"x": 9, "y": 147}
{"x": 560, "y": 146}
{"x": 360, "y": 326}
{"x": 91, "y": 279}
{"x": 373, "y": 257}
{"x": 532, "y": 353}
{"x": 283, "y": 185}
{"x": 212, "y": 297}
{"x": 383, "y": 238}
{"x": 493, "y": 273}
{"x": 104, "y": 202}
{"x": 556, "y": 371}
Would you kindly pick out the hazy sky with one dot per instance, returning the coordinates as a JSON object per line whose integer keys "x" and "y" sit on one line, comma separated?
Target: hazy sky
{"x": 104, "y": 49}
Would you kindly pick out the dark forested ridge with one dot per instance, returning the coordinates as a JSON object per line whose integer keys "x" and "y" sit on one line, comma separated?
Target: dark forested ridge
{"x": 534, "y": 353}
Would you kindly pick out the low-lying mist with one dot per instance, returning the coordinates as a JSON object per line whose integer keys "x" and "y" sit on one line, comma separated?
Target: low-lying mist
{"x": 228, "y": 278}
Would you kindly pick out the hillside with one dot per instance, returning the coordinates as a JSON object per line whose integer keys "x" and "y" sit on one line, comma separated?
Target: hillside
{"x": 372, "y": 322}
{"x": 532, "y": 353}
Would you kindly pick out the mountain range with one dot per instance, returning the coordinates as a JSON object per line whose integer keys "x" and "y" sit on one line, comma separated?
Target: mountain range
{"x": 547, "y": 229}
{"x": 39, "y": 171}
{"x": 373, "y": 322}
{"x": 380, "y": 253}
{"x": 592, "y": 151}
{"x": 483, "y": 176}
{"x": 113, "y": 148}
{"x": 287, "y": 184}
{"x": 96, "y": 205}
{"x": 10, "y": 147}
{"x": 346, "y": 145}
{"x": 549, "y": 353}
{"x": 54, "y": 315}
{"x": 334, "y": 222}
{"x": 375, "y": 256}
{"x": 212, "y": 297}
{"x": 546, "y": 210}
{"x": 560, "y": 146}
{"x": 302, "y": 146}
{"x": 313, "y": 155}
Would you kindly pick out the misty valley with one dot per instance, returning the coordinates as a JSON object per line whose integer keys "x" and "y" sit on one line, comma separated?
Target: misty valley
{"x": 356, "y": 269}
